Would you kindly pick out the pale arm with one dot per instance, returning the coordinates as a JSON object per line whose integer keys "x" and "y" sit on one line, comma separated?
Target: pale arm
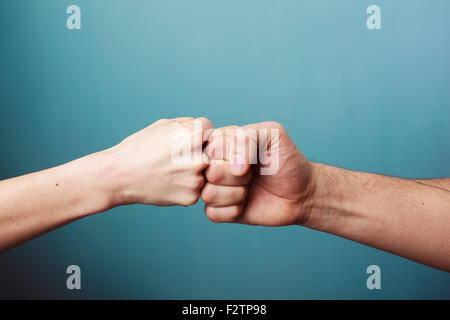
{"x": 138, "y": 170}
{"x": 36, "y": 203}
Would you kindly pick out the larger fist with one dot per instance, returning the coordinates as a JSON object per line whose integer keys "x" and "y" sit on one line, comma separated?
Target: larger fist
{"x": 256, "y": 176}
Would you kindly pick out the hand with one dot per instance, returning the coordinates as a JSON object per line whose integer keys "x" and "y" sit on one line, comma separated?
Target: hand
{"x": 145, "y": 170}
{"x": 238, "y": 192}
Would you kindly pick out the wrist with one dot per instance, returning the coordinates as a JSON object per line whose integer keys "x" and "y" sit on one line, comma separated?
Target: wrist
{"x": 113, "y": 179}
{"x": 127, "y": 180}
{"x": 307, "y": 200}
{"x": 323, "y": 199}
{"x": 102, "y": 179}
{"x": 336, "y": 205}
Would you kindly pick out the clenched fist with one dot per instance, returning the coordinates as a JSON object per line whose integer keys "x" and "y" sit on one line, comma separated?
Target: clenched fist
{"x": 256, "y": 176}
{"x": 149, "y": 170}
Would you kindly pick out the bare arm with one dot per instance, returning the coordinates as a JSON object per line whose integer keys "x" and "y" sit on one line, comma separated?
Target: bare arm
{"x": 36, "y": 203}
{"x": 443, "y": 183}
{"x": 410, "y": 218}
{"x": 406, "y": 217}
{"x": 138, "y": 170}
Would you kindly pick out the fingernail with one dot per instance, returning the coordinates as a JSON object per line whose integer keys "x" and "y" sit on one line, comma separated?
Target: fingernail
{"x": 237, "y": 164}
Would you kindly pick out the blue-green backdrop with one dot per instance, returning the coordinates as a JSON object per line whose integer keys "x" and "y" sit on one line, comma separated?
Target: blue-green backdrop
{"x": 376, "y": 100}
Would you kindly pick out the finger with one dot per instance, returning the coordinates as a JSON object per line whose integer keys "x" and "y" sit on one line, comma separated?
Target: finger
{"x": 202, "y": 126}
{"x": 219, "y": 173}
{"x": 269, "y": 133}
{"x": 218, "y": 143}
{"x": 160, "y": 122}
{"x": 235, "y": 145}
{"x": 195, "y": 132}
{"x": 207, "y": 128}
{"x": 221, "y": 196}
{"x": 224, "y": 214}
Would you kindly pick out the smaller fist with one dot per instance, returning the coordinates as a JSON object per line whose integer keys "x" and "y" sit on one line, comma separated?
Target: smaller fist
{"x": 162, "y": 164}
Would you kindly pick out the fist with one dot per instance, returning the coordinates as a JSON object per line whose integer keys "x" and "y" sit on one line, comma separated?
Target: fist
{"x": 256, "y": 176}
{"x": 162, "y": 164}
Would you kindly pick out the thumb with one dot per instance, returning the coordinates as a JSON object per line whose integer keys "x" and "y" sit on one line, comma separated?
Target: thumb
{"x": 238, "y": 165}
{"x": 243, "y": 149}
{"x": 267, "y": 136}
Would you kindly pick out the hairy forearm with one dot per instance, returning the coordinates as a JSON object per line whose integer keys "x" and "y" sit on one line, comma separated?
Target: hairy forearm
{"x": 34, "y": 204}
{"x": 443, "y": 183}
{"x": 400, "y": 216}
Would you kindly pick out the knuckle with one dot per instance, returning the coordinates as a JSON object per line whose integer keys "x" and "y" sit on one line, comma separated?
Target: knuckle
{"x": 208, "y": 194}
{"x": 190, "y": 199}
{"x": 235, "y": 212}
{"x": 210, "y": 213}
{"x": 161, "y": 121}
{"x": 242, "y": 192}
{"x": 203, "y": 119}
{"x": 232, "y": 128}
{"x": 185, "y": 122}
{"x": 198, "y": 183}
{"x": 214, "y": 174}
{"x": 181, "y": 119}
{"x": 274, "y": 125}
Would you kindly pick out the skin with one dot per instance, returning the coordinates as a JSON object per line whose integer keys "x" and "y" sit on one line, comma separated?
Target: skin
{"x": 137, "y": 170}
{"x": 410, "y": 218}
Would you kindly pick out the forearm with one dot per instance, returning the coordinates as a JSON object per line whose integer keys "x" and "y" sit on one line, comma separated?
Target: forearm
{"x": 443, "y": 183}
{"x": 140, "y": 169}
{"x": 36, "y": 203}
{"x": 396, "y": 215}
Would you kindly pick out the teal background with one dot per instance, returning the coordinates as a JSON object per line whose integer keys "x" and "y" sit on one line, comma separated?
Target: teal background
{"x": 376, "y": 101}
